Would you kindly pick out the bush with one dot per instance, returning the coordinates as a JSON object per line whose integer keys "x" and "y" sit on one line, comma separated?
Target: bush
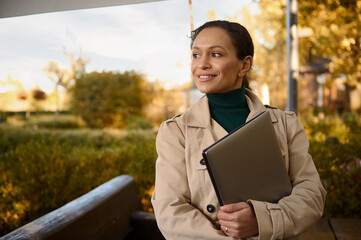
{"x": 43, "y": 170}
{"x": 135, "y": 123}
{"x": 335, "y": 147}
{"x": 107, "y": 99}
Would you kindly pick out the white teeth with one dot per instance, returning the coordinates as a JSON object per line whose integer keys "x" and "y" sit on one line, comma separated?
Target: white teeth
{"x": 205, "y": 76}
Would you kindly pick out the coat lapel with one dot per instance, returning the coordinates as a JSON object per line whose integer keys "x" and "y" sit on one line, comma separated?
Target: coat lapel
{"x": 204, "y": 130}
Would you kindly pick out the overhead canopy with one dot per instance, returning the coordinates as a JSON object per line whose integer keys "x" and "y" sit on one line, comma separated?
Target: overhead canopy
{"x": 13, "y": 8}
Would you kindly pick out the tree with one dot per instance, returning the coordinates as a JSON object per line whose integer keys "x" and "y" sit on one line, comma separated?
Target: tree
{"x": 335, "y": 35}
{"x": 65, "y": 77}
{"x": 58, "y": 76}
{"x": 77, "y": 66}
{"x": 165, "y": 103}
{"x": 108, "y": 99}
{"x": 38, "y": 95}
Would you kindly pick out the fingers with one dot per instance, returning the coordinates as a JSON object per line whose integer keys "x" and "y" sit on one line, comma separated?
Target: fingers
{"x": 232, "y": 212}
{"x": 242, "y": 222}
{"x": 232, "y": 232}
{"x": 230, "y": 217}
{"x": 237, "y": 216}
{"x": 228, "y": 224}
{"x": 228, "y": 231}
{"x": 234, "y": 207}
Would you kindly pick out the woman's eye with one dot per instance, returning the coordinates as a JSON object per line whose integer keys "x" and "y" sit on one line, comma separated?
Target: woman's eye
{"x": 195, "y": 55}
{"x": 216, "y": 55}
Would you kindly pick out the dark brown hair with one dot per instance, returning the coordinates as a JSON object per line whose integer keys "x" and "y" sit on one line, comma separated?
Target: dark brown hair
{"x": 239, "y": 36}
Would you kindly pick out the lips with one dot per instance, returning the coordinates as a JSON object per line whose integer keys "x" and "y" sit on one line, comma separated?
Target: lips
{"x": 206, "y": 77}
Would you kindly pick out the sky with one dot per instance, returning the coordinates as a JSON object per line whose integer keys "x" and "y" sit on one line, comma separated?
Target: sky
{"x": 150, "y": 38}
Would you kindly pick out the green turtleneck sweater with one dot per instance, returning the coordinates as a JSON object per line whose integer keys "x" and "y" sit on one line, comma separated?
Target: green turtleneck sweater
{"x": 229, "y": 109}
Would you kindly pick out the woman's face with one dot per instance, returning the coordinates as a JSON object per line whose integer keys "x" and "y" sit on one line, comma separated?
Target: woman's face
{"x": 215, "y": 66}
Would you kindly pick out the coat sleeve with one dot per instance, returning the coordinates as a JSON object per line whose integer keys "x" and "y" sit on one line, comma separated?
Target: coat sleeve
{"x": 293, "y": 214}
{"x": 176, "y": 217}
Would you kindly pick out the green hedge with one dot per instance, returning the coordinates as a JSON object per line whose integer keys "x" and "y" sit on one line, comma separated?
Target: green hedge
{"x": 335, "y": 145}
{"x": 43, "y": 170}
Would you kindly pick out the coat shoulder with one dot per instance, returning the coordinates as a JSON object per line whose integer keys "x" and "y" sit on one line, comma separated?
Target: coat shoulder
{"x": 290, "y": 113}
{"x": 174, "y": 123}
{"x": 277, "y": 113}
{"x": 174, "y": 119}
{"x": 270, "y": 107}
{"x": 280, "y": 113}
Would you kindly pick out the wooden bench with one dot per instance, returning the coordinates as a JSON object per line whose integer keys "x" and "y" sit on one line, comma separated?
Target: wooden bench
{"x": 112, "y": 211}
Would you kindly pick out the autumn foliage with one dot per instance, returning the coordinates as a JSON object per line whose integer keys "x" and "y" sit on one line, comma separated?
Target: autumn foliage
{"x": 109, "y": 99}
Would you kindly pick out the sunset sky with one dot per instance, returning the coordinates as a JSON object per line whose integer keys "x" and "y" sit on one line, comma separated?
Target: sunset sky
{"x": 151, "y": 38}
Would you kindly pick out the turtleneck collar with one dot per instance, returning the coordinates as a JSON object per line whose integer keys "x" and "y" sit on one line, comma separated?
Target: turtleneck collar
{"x": 233, "y": 99}
{"x": 229, "y": 109}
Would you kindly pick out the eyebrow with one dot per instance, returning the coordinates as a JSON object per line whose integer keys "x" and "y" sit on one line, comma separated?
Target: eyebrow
{"x": 211, "y": 47}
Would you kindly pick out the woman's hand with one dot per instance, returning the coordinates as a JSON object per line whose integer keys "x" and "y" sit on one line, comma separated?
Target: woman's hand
{"x": 238, "y": 220}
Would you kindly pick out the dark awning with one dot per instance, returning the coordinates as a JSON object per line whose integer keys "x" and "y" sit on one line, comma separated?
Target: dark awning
{"x": 13, "y": 8}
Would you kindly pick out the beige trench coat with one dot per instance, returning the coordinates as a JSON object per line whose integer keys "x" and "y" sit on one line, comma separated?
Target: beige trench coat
{"x": 184, "y": 192}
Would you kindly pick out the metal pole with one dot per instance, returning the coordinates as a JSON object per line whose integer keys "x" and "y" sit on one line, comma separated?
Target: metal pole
{"x": 191, "y": 14}
{"x": 191, "y": 92}
{"x": 292, "y": 56}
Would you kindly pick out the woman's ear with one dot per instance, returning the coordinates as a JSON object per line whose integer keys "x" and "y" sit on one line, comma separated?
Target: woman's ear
{"x": 246, "y": 65}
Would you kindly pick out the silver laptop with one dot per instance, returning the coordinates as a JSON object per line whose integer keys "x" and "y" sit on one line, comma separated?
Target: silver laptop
{"x": 248, "y": 164}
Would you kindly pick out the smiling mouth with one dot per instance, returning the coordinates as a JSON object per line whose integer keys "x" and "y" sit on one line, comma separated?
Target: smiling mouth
{"x": 206, "y": 77}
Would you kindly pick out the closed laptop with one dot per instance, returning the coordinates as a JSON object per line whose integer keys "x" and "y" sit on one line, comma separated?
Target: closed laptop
{"x": 248, "y": 164}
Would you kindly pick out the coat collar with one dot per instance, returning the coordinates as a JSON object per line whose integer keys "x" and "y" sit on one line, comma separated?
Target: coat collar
{"x": 256, "y": 106}
{"x": 198, "y": 115}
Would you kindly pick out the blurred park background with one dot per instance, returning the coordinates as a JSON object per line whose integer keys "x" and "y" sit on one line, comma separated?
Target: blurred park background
{"x": 67, "y": 127}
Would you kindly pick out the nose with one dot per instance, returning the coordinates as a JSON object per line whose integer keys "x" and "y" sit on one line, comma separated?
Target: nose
{"x": 204, "y": 63}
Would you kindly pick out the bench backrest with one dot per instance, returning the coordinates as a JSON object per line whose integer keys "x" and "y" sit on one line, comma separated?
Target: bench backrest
{"x": 103, "y": 213}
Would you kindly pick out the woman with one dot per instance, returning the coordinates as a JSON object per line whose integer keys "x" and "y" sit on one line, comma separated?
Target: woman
{"x": 184, "y": 201}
